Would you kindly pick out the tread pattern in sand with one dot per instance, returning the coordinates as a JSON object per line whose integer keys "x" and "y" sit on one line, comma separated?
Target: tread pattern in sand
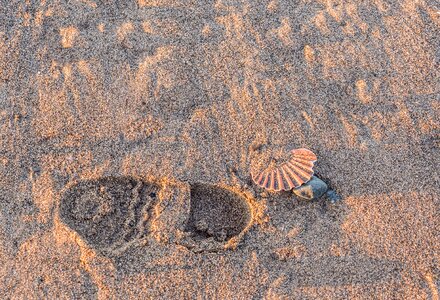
{"x": 109, "y": 213}
{"x": 217, "y": 212}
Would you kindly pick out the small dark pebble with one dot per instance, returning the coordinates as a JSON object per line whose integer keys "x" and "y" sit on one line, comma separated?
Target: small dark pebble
{"x": 311, "y": 190}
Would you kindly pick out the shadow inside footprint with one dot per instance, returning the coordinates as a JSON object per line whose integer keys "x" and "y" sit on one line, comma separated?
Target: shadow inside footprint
{"x": 217, "y": 212}
{"x": 109, "y": 213}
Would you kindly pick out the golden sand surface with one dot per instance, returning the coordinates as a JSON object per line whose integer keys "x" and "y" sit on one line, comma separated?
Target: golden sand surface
{"x": 128, "y": 130}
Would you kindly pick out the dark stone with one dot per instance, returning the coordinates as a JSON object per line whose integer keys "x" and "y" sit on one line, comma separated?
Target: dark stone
{"x": 313, "y": 189}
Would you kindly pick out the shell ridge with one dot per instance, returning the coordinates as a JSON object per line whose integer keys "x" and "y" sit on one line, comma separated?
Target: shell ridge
{"x": 306, "y": 162}
{"x": 266, "y": 178}
{"x": 304, "y": 176}
{"x": 280, "y": 180}
{"x": 303, "y": 167}
{"x": 287, "y": 177}
{"x": 295, "y": 177}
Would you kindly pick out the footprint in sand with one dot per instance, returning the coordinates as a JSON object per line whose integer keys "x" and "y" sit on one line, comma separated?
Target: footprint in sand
{"x": 109, "y": 213}
{"x": 113, "y": 213}
{"x": 217, "y": 216}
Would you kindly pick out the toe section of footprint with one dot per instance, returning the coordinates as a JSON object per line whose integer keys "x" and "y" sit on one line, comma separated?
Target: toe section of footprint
{"x": 217, "y": 215}
{"x": 113, "y": 213}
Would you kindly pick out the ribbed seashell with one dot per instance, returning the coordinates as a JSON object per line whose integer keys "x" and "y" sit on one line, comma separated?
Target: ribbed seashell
{"x": 288, "y": 174}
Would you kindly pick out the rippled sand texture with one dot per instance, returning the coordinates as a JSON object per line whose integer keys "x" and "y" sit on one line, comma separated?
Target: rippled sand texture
{"x": 192, "y": 93}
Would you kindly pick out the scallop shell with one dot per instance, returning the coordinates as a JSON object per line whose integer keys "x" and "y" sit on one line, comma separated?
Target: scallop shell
{"x": 289, "y": 174}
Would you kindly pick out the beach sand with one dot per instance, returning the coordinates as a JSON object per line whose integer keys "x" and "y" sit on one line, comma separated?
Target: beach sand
{"x": 128, "y": 131}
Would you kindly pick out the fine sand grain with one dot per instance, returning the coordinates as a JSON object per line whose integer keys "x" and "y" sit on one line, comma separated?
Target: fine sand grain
{"x": 128, "y": 130}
